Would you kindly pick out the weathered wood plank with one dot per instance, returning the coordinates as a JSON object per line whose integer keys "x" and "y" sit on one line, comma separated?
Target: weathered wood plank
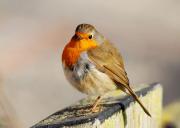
{"x": 117, "y": 111}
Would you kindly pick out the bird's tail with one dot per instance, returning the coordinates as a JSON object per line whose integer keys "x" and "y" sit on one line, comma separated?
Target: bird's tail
{"x": 137, "y": 99}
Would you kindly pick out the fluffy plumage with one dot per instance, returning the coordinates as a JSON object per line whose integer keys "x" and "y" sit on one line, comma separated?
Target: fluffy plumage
{"x": 93, "y": 65}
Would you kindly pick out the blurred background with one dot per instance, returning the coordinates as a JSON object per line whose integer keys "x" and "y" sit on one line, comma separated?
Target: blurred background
{"x": 33, "y": 34}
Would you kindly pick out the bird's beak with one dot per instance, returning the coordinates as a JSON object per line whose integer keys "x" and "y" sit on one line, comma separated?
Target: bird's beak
{"x": 84, "y": 42}
{"x": 82, "y": 35}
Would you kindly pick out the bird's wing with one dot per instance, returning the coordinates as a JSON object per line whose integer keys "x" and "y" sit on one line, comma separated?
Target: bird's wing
{"x": 107, "y": 59}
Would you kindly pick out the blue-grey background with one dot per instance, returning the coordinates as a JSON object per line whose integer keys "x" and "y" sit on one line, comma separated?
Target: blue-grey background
{"x": 33, "y": 34}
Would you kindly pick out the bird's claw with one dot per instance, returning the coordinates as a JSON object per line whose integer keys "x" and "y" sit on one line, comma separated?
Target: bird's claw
{"x": 96, "y": 109}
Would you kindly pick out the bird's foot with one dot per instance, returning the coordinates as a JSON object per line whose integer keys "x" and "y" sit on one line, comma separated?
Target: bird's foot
{"x": 96, "y": 109}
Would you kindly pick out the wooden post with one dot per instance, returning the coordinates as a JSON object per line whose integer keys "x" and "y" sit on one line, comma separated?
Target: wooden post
{"x": 117, "y": 111}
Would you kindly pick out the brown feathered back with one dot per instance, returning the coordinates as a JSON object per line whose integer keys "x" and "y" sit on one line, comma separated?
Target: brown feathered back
{"x": 108, "y": 60}
{"x": 108, "y": 57}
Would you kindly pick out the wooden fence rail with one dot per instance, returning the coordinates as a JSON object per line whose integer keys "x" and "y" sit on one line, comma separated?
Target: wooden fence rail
{"x": 117, "y": 111}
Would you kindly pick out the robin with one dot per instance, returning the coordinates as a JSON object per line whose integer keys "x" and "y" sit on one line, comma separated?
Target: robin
{"x": 94, "y": 66}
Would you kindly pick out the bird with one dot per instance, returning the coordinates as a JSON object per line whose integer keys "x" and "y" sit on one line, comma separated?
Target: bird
{"x": 94, "y": 65}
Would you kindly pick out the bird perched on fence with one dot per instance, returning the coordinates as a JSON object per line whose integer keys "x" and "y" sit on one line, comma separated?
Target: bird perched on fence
{"x": 94, "y": 66}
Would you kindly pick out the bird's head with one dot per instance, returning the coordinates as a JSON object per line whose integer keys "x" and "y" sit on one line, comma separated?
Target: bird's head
{"x": 86, "y": 37}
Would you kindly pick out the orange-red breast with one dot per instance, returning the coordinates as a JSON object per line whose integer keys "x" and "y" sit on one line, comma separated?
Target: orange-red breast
{"x": 94, "y": 66}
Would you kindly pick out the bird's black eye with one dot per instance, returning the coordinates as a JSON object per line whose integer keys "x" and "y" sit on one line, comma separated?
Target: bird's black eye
{"x": 90, "y": 37}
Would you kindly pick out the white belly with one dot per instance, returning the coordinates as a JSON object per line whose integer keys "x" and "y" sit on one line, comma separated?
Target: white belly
{"x": 97, "y": 83}
{"x": 92, "y": 82}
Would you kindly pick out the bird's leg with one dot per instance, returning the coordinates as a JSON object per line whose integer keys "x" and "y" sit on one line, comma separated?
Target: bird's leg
{"x": 94, "y": 106}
